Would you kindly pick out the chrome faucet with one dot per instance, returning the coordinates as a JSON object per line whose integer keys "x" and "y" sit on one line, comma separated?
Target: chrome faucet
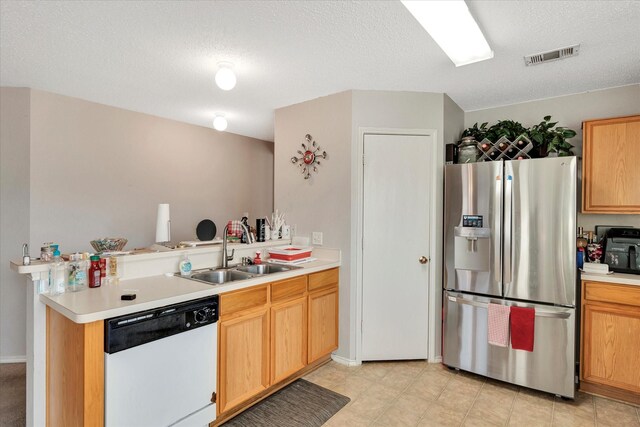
{"x": 226, "y": 258}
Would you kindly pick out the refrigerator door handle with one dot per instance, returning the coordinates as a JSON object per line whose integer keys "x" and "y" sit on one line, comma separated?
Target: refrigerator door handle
{"x": 508, "y": 223}
{"x": 497, "y": 226}
{"x": 539, "y": 313}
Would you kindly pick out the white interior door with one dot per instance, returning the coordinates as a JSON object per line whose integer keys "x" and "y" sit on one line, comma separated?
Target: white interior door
{"x": 397, "y": 171}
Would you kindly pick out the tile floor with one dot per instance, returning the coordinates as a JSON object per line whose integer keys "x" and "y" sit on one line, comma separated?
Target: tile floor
{"x": 417, "y": 393}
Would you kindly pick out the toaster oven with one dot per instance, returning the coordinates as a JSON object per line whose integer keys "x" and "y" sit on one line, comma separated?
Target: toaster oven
{"x": 622, "y": 250}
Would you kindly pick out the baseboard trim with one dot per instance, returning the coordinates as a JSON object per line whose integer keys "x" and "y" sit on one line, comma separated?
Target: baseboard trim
{"x": 436, "y": 360}
{"x": 13, "y": 359}
{"x": 344, "y": 361}
{"x": 610, "y": 392}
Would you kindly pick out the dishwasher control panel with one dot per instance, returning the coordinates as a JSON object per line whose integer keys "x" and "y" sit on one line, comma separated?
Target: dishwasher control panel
{"x": 202, "y": 316}
{"x": 139, "y": 328}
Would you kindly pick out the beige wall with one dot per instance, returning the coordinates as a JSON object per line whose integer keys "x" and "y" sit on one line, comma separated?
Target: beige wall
{"x": 14, "y": 218}
{"x": 329, "y": 202}
{"x": 101, "y": 171}
{"x": 453, "y": 121}
{"x": 323, "y": 202}
{"x": 87, "y": 170}
{"x": 570, "y": 111}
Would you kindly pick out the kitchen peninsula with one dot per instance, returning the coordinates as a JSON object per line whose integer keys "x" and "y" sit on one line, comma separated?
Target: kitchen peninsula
{"x": 73, "y": 325}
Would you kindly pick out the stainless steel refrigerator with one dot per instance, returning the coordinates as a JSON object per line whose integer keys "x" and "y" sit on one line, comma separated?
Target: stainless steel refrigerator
{"x": 510, "y": 239}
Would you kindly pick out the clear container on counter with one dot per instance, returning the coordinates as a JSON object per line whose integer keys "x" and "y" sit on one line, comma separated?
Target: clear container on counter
{"x": 113, "y": 278}
{"x": 77, "y": 273}
{"x": 57, "y": 275}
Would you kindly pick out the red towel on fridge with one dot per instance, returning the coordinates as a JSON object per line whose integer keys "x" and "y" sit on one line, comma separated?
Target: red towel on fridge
{"x": 523, "y": 320}
{"x": 498, "y": 317}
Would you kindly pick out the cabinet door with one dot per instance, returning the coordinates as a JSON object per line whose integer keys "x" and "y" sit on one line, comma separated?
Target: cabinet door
{"x": 611, "y": 154}
{"x": 244, "y": 358}
{"x": 288, "y": 338}
{"x": 611, "y": 345}
{"x": 323, "y": 323}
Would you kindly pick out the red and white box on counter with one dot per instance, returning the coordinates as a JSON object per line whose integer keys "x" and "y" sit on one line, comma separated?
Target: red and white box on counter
{"x": 290, "y": 253}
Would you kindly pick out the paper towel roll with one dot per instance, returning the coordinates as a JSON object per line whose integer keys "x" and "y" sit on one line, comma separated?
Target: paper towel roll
{"x": 163, "y": 223}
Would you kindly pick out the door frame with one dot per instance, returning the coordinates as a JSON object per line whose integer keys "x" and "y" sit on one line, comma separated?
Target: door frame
{"x": 434, "y": 251}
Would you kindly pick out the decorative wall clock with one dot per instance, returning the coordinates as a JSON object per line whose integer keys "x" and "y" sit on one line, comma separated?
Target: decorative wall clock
{"x": 311, "y": 154}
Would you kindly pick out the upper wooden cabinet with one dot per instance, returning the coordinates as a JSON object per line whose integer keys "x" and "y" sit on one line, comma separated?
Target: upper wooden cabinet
{"x": 611, "y": 166}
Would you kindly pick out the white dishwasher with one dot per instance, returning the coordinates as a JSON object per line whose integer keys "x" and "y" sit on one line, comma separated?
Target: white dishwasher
{"x": 160, "y": 366}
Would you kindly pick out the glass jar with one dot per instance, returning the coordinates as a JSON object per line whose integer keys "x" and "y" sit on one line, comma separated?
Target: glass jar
{"x": 468, "y": 151}
{"x": 46, "y": 254}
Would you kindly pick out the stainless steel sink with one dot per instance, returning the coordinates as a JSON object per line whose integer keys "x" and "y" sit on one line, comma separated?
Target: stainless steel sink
{"x": 224, "y": 275}
{"x": 220, "y": 276}
{"x": 265, "y": 268}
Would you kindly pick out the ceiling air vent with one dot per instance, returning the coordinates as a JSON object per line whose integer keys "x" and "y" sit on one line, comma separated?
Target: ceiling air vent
{"x": 552, "y": 55}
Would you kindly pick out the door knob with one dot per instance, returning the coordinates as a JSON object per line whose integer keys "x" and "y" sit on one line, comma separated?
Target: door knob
{"x": 423, "y": 260}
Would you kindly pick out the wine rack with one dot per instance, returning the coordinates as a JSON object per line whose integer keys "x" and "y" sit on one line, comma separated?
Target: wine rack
{"x": 503, "y": 149}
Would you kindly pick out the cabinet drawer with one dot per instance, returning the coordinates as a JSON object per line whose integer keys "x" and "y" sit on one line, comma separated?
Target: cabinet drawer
{"x": 612, "y": 293}
{"x": 245, "y": 299}
{"x": 323, "y": 279}
{"x": 288, "y": 289}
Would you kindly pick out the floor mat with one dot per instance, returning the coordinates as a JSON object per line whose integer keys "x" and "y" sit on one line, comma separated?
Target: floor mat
{"x": 300, "y": 404}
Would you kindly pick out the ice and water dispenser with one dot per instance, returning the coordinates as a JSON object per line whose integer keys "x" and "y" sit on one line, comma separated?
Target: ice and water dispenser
{"x": 472, "y": 244}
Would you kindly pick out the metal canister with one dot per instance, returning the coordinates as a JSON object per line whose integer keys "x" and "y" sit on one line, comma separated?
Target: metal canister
{"x": 468, "y": 151}
{"x": 260, "y": 224}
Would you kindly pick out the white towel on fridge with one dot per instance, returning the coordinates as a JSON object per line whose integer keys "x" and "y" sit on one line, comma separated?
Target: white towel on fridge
{"x": 498, "y": 325}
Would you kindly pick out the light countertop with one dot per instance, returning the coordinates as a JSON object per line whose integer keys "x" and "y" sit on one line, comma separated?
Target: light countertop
{"x": 90, "y": 305}
{"x": 212, "y": 251}
{"x": 620, "y": 278}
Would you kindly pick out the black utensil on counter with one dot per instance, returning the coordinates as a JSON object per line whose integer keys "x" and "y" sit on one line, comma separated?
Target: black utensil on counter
{"x": 206, "y": 230}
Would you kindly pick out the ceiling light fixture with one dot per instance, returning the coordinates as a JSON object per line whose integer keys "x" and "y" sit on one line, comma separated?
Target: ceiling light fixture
{"x": 451, "y": 25}
{"x": 225, "y": 77}
{"x": 219, "y": 122}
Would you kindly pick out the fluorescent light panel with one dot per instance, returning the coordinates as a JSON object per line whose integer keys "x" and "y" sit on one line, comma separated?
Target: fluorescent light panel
{"x": 451, "y": 25}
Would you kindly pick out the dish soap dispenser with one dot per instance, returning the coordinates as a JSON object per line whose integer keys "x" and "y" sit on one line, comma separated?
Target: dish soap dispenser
{"x": 185, "y": 266}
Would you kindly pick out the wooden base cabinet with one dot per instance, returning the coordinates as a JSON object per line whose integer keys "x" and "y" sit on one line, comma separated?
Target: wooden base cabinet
{"x": 270, "y": 334}
{"x": 288, "y": 327}
{"x": 243, "y": 346}
{"x": 75, "y": 372}
{"x": 323, "y": 313}
{"x": 610, "y": 344}
{"x": 244, "y": 370}
{"x": 289, "y": 338}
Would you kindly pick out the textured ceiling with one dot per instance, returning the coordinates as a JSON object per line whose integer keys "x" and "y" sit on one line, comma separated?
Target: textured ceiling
{"x": 160, "y": 57}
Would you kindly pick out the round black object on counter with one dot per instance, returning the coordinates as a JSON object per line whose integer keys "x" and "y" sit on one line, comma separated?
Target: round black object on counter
{"x": 206, "y": 230}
